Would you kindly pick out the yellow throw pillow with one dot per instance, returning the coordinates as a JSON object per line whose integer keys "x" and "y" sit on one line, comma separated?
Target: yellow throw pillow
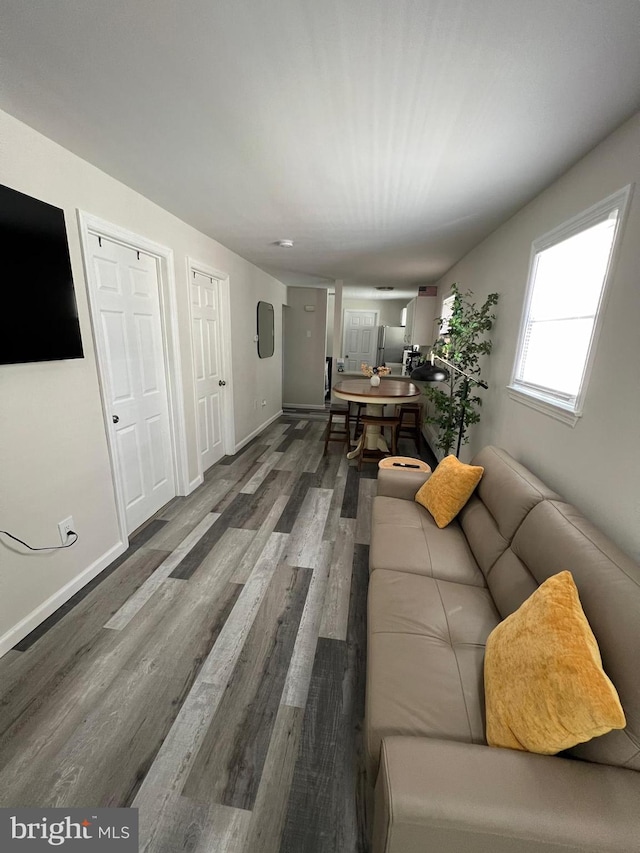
{"x": 448, "y": 489}
{"x": 545, "y": 687}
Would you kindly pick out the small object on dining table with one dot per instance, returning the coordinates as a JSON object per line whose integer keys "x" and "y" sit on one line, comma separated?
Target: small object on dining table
{"x": 404, "y": 465}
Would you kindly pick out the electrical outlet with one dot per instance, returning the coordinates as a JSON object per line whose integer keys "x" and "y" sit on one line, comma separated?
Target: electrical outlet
{"x": 65, "y": 527}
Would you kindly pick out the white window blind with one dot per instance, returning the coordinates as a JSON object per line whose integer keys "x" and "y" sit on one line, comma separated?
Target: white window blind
{"x": 567, "y": 280}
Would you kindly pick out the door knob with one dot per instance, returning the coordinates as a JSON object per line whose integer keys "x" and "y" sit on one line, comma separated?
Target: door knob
{"x": 115, "y": 419}
{"x": 221, "y": 382}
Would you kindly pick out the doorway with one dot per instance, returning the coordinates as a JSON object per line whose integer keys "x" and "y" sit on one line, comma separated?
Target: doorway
{"x": 132, "y": 304}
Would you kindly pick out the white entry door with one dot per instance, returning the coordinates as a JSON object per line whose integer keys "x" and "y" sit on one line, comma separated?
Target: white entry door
{"x": 207, "y": 357}
{"x": 360, "y": 338}
{"x": 130, "y": 343}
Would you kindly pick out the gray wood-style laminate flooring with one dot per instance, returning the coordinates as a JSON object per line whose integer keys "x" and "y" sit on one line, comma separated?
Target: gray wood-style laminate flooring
{"x": 213, "y": 676}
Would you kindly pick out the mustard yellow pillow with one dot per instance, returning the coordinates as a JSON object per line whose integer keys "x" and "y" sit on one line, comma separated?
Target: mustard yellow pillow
{"x": 448, "y": 489}
{"x": 545, "y": 687}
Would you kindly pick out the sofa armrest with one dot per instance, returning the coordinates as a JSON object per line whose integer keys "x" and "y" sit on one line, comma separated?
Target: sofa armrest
{"x": 400, "y": 484}
{"x": 436, "y": 795}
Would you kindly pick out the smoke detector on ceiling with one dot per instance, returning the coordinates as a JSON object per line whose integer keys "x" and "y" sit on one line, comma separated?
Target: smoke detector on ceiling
{"x": 285, "y": 244}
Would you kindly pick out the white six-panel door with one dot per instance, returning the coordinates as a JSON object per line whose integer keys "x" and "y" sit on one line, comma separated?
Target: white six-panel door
{"x": 129, "y": 329}
{"x": 207, "y": 356}
{"x": 360, "y": 338}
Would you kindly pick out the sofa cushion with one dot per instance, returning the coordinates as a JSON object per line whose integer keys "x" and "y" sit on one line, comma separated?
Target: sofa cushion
{"x": 508, "y": 489}
{"x": 510, "y": 583}
{"x": 483, "y": 536}
{"x": 545, "y": 687}
{"x": 448, "y": 489}
{"x": 404, "y": 537}
{"x": 425, "y": 658}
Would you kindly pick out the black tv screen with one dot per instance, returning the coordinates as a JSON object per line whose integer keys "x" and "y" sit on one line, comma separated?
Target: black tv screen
{"x": 38, "y": 312}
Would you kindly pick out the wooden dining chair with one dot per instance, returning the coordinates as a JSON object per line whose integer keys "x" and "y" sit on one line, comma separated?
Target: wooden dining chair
{"x": 341, "y": 430}
{"x": 369, "y": 421}
{"x": 410, "y": 415}
{"x": 360, "y": 407}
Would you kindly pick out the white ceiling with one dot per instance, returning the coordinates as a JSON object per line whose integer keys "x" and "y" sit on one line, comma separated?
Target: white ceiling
{"x": 385, "y": 137}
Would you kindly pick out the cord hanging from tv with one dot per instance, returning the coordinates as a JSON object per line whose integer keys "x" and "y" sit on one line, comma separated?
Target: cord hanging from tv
{"x": 39, "y": 315}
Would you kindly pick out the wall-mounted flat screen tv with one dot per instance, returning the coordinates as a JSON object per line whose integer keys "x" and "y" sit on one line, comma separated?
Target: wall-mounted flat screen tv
{"x": 38, "y": 312}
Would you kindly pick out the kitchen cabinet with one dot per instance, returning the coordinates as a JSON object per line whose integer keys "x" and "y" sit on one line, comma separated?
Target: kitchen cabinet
{"x": 421, "y": 314}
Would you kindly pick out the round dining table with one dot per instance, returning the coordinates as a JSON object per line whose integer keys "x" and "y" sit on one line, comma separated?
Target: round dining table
{"x": 389, "y": 392}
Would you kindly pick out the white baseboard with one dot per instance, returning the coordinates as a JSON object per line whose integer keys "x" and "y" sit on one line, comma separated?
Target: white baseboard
{"x": 257, "y": 431}
{"x": 43, "y": 611}
{"x": 303, "y": 406}
{"x": 193, "y": 485}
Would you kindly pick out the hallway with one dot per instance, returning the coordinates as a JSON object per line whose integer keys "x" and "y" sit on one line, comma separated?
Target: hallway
{"x": 213, "y": 676}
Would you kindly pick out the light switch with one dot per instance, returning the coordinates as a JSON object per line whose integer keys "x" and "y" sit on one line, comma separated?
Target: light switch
{"x": 308, "y": 333}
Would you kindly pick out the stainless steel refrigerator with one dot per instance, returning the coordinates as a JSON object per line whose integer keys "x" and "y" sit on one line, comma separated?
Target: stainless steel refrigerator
{"x": 390, "y": 344}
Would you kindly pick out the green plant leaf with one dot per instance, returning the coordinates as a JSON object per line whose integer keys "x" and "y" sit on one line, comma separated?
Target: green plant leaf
{"x": 465, "y": 343}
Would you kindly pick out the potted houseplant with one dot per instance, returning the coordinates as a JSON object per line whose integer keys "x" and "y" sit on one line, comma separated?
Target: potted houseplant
{"x": 374, "y": 373}
{"x": 463, "y": 341}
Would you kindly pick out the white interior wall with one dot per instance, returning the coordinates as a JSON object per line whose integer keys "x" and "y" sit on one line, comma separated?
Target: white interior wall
{"x": 304, "y": 346}
{"x": 596, "y": 464}
{"x": 53, "y": 450}
{"x": 389, "y": 310}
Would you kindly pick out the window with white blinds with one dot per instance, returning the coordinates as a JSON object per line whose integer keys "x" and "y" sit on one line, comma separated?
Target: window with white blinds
{"x": 565, "y": 296}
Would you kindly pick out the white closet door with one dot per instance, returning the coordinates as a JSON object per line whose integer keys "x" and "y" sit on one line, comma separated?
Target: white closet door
{"x": 206, "y": 320}
{"x": 132, "y": 354}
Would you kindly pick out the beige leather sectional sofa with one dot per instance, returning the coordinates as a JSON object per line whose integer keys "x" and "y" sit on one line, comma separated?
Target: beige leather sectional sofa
{"x": 434, "y": 597}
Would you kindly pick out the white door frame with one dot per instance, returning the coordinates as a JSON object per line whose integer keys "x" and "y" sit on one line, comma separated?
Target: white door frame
{"x": 92, "y": 225}
{"x": 228, "y": 423}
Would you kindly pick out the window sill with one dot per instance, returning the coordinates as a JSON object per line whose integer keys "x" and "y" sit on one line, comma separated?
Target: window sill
{"x": 546, "y": 406}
